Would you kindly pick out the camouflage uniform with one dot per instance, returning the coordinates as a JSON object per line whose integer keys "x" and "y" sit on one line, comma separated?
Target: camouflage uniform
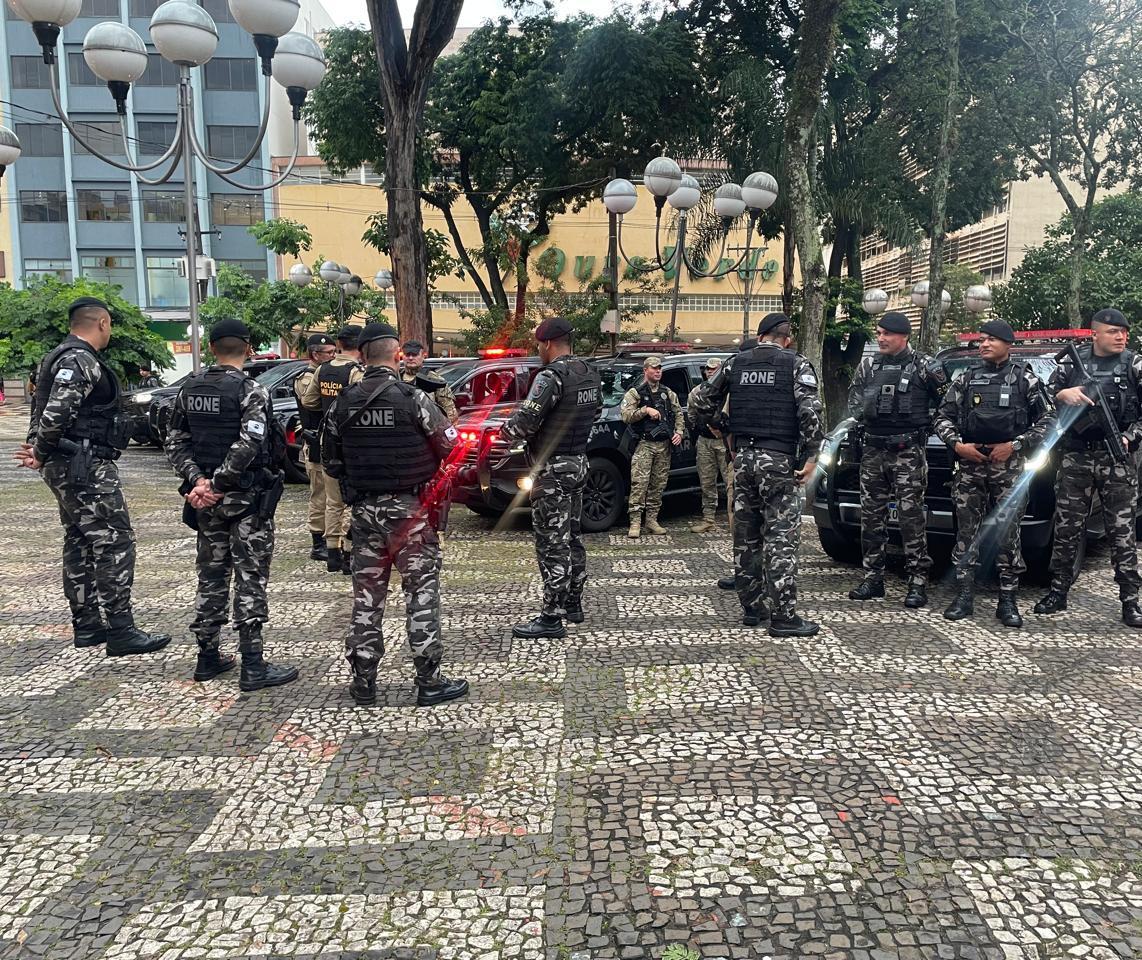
{"x": 767, "y": 499}
{"x": 318, "y": 496}
{"x": 650, "y": 465}
{"x": 1086, "y": 468}
{"x": 390, "y": 529}
{"x": 980, "y": 488}
{"x": 231, "y": 536}
{"x": 710, "y": 453}
{"x": 442, "y": 394}
{"x": 98, "y": 541}
{"x": 895, "y": 471}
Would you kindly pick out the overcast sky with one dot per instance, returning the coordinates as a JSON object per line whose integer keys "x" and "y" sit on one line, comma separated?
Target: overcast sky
{"x": 474, "y": 13}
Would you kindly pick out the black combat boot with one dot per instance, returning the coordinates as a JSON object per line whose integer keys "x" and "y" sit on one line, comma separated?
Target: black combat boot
{"x": 89, "y": 635}
{"x": 1007, "y": 611}
{"x": 333, "y": 559}
{"x": 347, "y": 563}
{"x": 1131, "y": 615}
{"x": 432, "y": 687}
{"x": 124, "y": 639}
{"x": 794, "y": 626}
{"x": 574, "y": 607}
{"x": 917, "y": 595}
{"x": 1053, "y": 602}
{"x": 212, "y": 663}
{"x": 363, "y": 685}
{"x": 754, "y": 616}
{"x": 961, "y": 607}
{"x": 319, "y": 551}
{"x": 256, "y": 672}
{"x": 872, "y": 588}
{"x": 545, "y": 626}
{"x": 728, "y": 583}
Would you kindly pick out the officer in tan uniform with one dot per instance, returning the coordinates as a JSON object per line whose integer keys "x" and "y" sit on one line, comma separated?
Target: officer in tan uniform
{"x": 319, "y": 348}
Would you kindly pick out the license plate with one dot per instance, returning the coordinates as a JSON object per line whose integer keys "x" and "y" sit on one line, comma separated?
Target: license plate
{"x": 893, "y": 515}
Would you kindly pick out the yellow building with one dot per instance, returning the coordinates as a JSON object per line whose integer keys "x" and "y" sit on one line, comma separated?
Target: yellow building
{"x": 709, "y": 311}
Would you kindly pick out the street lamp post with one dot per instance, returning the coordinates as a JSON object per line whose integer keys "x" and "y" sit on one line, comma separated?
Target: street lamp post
{"x": 666, "y": 182}
{"x": 337, "y": 275}
{"x": 186, "y": 35}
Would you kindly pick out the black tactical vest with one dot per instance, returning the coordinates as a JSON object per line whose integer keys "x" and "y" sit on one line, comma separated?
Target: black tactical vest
{"x": 567, "y": 428}
{"x": 213, "y": 404}
{"x": 996, "y": 408}
{"x": 99, "y": 418}
{"x": 1116, "y": 377}
{"x": 385, "y": 449}
{"x": 763, "y": 407}
{"x": 332, "y": 378}
{"x": 311, "y": 423}
{"x": 648, "y": 428}
{"x": 895, "y": 401}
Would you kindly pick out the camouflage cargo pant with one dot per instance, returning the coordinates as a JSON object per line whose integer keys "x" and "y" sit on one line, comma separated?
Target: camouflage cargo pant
{"x": 711, "y": 462}
{"x": 337, "y": 515}
{"x": 887, "y": 475}
{"x": 231, "y": 540}
{"x": 556, "y": 512}
{"x": 767, "y": 529}
{"x": 989, "y": 492}
{"x": 392, "y": 529}
{"x": 317, "y": 497}
{"x": 1081, "y": 474}
{"x": 98, "y": 542}
{"x": 649, "y": 471}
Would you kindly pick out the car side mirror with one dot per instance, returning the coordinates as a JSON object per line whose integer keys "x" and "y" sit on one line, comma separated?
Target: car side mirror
{"x": 462, "y": 400}
{"x": 282, "y": 393}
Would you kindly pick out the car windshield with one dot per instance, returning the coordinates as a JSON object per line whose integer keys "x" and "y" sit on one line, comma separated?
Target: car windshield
{"x": 273, "y": 376}
{"x": 1043, "y": 367}
{"x": 453, "y": 373}
{"x": 617, "y": 380}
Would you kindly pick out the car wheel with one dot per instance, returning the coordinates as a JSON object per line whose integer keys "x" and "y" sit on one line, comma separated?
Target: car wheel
{"x": 839, "y": 547}
{"x": 604, "y": 496}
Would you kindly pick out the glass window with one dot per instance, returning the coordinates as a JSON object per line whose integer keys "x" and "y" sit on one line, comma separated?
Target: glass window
{"x": 79, "y": 73}
{"x": 113, "y": 269}
{"x": 218, "y": 9}
{"x": 100, "y": 8}
{"x": 230, "y": 142}
{"x": 488, "y": 387}
{"x": 109, "y": 205}
{"x": 235, "y": 209}
{"x": 159, "y": 73}
{"x": 43, "y": 206}
{"x": 165, "y": 288}
{"x": 30, "y": 73}
{"x": 155, "y": 136}
{"x": 40, "y": 139}
{"x": 677, "y": 381}
{"x": 256, "y": 269}
{"x": 163, "y": 206}
{"x": 144, "y": 8}
{"x": 617, "y": 380}
{"x": 231, "y": 73}
{"x": 36, "y": 267}
{"x": 103, "y": 136}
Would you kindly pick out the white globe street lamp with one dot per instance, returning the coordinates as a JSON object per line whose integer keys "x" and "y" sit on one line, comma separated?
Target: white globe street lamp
{"x": 662, "y": 176}
{"x": 383, "y": 279}
{"x": 115, "y": 53}
{"x": 619, "y": 196}
{"x": 330, "y": 272}
{"x": 300, "y": 275}
{"x": 184, "y": 33}
{"x": 687, "y": 194}
{"x": 728, "y": 201}
{"x": 9, "y": 148}
{"x": 874, "y": 301}
{"x": 352, "y": 286}
{"x": 977, "y": 298}
{"x": 759, "y": 191}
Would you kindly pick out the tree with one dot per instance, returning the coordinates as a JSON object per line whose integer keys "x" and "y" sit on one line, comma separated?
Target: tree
{"x": 282, "y": 236}
{"x": 441, "y": 263}
{"x": 33, "y": 321}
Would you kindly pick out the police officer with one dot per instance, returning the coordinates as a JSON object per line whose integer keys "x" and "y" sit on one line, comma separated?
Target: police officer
{"x": 893, "y": 396}
{"x": 991, "y": 417}
{"x": 712, "y": 461}
{"x": 774, "y": 409}
{"x": 1087, "y": 467}
{"x": 384, "y": 441}
{"x": 75, "y": 437}
{"x": 319, "y": 348}
{"x": 147, "y": 379}
{"x": 220, "y": 443}
{"x": 555, "y": 419}
{"x": 654, "y": 415}
{"x": 331, "y": 378}
{"x": 412, "y": 369}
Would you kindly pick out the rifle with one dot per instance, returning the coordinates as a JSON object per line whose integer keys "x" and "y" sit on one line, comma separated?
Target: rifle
{"x": 436, "y": 495}
{"x": 1103, "y": 417}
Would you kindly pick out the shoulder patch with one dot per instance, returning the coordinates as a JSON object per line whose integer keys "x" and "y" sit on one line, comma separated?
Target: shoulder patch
{"x": 808, "y": 378}
{"x": 65, "y": 375}
{"x": 451, "y": 433}
{"x": 256, "y": 428}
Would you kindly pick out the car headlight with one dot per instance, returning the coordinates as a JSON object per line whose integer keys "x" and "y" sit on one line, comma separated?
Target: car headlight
{"x": 1038, "y": 462}
{"x": 525, "y": 484}
{"x": 825, "y": 459}
{"x": 142, "y": 398}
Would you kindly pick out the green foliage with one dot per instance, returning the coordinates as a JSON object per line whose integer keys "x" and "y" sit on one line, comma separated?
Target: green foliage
{"x": 34, "y": 320}
{"x": 282, "y": 236}
{"x": 957, "y": 278}
{"x": 441, "y": 262}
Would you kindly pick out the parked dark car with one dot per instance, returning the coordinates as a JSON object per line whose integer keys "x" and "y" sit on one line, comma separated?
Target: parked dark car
{"x": 138, "y": 405}
{"x": 504, "y": 473}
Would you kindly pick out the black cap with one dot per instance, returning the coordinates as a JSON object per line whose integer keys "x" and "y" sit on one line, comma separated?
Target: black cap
{"x": 377, "y": 331}
{"x": 1000, "y": 329}
{"x": 1111, "y": 317}
{"x": 349, "y": 335}
{"x": 769, "y": 321}
{"x": 552, "y": 329}
{"x": 747, "y": 346}
{"x": 229, "y": 327}
{"x": 412, "y": 346}
{"x": 895, "y": 322}
{"x": 318, "y": 340}
{"x": 82, "y": 302}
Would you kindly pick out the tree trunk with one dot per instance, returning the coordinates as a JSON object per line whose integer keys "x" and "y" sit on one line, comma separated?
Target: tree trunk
{"x": 817, "y": 36}
{"x": 941, "y": 174}
{"x": 1075, "y": 261}
{"x": 789, "y": 257}
{"x": 491, "y": 260}
{"x": 405, "y": 72}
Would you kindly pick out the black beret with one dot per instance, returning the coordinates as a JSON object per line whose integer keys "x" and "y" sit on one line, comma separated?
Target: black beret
{"x": 895, "y": 322}
{"x": 229, "y": 327}
{"x": 552, "y": 329}
{"x": 412, "y": 346}
{"x": 348, "y": 335}
{"x": 376, "y": 331}
{"x": 82, "y": 302}
{"x": 318, "y": 340}
{"x": 769, "y": 321}
{"x": 1000, "y": 329}
{"x": 1111, "y": 317}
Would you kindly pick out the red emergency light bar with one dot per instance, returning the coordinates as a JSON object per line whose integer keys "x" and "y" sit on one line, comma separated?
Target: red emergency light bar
{"x": 1035, "y": 335}
{"x": 649, "y": 346}
{"x": 491, "y": 353}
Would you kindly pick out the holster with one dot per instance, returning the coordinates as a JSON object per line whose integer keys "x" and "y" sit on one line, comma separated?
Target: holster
{"x": 189, "y": 514}
{"x": 79, "y": 458}
{"x": 271, "y": 494}
{"x": 856, "y": 443}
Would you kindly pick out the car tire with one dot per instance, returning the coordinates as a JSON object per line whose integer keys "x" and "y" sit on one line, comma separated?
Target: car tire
{"x": 604, "y": 496}
{"x": 839, "y": 547}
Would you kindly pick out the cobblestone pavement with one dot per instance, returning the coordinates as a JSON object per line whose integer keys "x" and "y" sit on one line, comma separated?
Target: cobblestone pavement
{"x": 662, "y": 783}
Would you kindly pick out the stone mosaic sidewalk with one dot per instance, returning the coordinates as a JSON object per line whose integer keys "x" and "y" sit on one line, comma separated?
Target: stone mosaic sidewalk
{"x": 662, "y": 784}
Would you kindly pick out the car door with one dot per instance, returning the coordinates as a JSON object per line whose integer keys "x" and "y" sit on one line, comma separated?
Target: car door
{"x": 683, "y": 463}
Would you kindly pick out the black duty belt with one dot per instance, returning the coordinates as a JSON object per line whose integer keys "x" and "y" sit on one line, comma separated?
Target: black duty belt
{"x": 895, "y": 442}
{"x": 1075, "y": 444}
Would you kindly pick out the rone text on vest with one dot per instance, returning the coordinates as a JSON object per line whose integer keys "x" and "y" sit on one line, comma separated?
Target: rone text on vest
{"x": 203, "y": 404}
{"x": 380, "y": 417}
{"x": 767, "y": 378}
{"x": 590, "y": 395}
